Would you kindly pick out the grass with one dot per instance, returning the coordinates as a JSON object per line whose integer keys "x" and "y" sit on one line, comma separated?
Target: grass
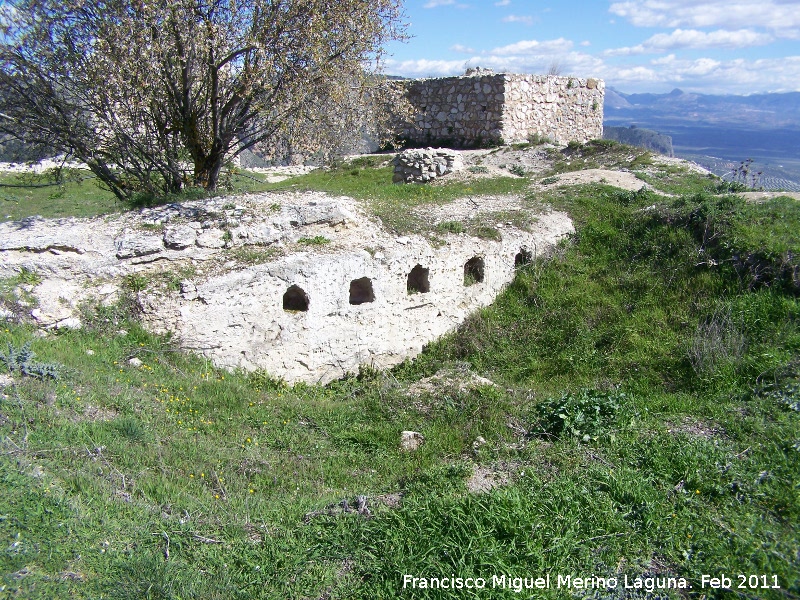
{"x": 596, "y": 154}
{"x": 81, "y": 195}
{"x": 645, "y": 420}
{"x": 394, "y": 203}
{"x": 679, "y": 180}
{"x": 78, "y": 196}
{"x": 317, "y": 240}
{"x": 362, "y": 179}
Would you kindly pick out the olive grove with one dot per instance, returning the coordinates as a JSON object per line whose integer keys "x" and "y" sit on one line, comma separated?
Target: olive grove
{"x": 156, "y": 95}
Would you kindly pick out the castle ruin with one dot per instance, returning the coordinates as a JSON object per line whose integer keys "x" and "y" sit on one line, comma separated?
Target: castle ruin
{"x": 481, "y": 109}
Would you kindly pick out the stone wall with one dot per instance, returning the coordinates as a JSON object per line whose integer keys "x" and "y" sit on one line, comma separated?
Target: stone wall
{"x": 483, "y": 109}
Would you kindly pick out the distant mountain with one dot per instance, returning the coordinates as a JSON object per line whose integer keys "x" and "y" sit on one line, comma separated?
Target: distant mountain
{"x": 720, "y": 131}
{"x": 758, "y": 110}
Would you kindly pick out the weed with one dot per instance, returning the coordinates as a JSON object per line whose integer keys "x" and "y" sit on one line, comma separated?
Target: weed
{"x": 19, "y": 360}
{"x": 717, "y": 341}
{"x": 131, "y": 429}
{"x": 518, "y": 170}
{"x": 136, "y": 282}
{"x": 549, "y": 180}
{"x": 745, "y": 177}
{"x": 253, "y": 255}
{"x": 477, "y": 169}
{"x": 787, "y": 395}
{"x": 27, "y": 276}
{"x": 317, "y": 240}
{"x": 537, "y": 139}
{"x": 486, "y": 232}
{"x": 585, "y": 414}
{"x": 451, "y": 227}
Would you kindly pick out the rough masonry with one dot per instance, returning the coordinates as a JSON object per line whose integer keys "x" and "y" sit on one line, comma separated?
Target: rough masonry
{"x": 422, "y": 166}
{"x": 487, "y": 108}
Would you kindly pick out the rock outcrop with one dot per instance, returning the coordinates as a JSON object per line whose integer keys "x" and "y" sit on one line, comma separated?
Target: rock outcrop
{"x": 303, "y": 285}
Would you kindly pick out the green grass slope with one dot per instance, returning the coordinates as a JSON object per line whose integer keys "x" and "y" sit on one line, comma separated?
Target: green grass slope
{"x": 645, "y": 424}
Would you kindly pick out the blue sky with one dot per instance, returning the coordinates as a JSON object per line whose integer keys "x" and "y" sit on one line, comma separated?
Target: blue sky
{"x": 719, "y": 46}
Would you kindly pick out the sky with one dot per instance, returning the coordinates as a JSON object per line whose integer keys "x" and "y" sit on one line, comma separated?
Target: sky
{"x": 714, "y": 47}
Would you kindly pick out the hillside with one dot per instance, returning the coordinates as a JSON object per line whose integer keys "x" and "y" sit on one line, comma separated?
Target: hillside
{"x": 640, "y": 137}
{"x": 627, "y": 411}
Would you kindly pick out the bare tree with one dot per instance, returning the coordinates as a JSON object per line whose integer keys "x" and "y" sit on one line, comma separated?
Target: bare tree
{"x": 141, "y": 89}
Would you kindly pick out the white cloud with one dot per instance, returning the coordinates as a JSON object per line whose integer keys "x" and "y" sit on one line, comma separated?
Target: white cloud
{"x": 503, "y": 3}
{"x": 463, "y": 49}
{"x": 437, "y": 3}
{"x": 532, "y": 57}
{"x": 548, "y": 47}
{"x": 706, "y": 75}
{"x": 424, "y": 67}
{"x": 780, "y": 16}
{"x": 526, "y": 19}
{"x": 694, "y": 39}
{"x": 586, "y": 43}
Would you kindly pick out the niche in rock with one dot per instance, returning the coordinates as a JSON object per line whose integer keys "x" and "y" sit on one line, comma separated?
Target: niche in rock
{"x": 418, "y": 281}
{"x": 522, "y": 258}
{"x": 473, "y": 271}
{"x": 361, "y": 291}
{"x": 295, "y": 299}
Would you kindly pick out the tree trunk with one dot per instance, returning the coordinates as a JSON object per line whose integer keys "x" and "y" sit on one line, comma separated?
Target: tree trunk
{"x": 207, "y": 170}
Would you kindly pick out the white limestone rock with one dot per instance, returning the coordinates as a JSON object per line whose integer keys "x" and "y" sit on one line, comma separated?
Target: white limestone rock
{"x": 411, "y": 440}
{"x": 179, "y": 237}
{"x": 132, "y": 244}
{"x": 211, "y": 238}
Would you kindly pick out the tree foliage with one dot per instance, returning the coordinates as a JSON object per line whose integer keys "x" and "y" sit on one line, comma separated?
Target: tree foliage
{"x": 156, "y": 95}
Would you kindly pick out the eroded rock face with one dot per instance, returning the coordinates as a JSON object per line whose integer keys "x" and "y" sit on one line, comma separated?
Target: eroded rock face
{"x": 267, "y": 299}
